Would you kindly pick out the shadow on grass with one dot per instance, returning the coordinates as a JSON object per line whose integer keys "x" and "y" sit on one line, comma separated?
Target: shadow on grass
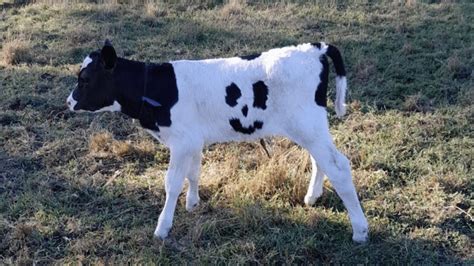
{"x": 48, "y": 217}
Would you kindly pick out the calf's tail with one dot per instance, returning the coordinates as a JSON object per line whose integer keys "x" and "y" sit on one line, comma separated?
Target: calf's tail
{"x": 341, "y": 81}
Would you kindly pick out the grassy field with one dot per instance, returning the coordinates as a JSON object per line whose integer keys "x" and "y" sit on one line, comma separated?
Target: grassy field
{"x": 89, "y": 188}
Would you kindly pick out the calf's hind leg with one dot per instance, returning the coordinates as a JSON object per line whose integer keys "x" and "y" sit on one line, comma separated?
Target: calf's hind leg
{"x": 317, "y": 140}
{"x": 315, "y": 188}
{"x": 337, "y": 168}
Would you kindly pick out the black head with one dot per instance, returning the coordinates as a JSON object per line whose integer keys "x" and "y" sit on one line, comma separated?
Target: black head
{"x": 95, "y": 86}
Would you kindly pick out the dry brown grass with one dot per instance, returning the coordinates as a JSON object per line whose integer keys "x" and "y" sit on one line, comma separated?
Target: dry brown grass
{"x": 103, "y": 145}
{"x": 81, "y": 35}
{"x": 284, "y": 175}
{"x": 153, "y": 10}
{"x": 247, "y": 172}
{"x": 233, "y": 8}
{"x": 16, "y": 51}
{"x": 417, "y": 103}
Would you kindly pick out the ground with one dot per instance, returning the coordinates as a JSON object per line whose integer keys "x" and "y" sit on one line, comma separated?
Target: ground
{"x": 83, "y": 187}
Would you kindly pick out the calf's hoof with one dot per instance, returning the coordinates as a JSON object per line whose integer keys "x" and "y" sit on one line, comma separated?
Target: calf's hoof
{"x": 161, "y": 231}
{"x": 309, "y": 199}
{"x": 162, "y": 235}
{"x": 361, "y": 237}
{"x": 191, "y": 204}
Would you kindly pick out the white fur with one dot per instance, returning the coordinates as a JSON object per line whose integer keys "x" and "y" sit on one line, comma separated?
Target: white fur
{"x": 115, "y": 107}
{"x": 86, "y": 62}
{"x": 201, "y": 116}
{"x": 71, "y": 102}
{"x": 315, "y": 188}
{"x": 341, "y": 87}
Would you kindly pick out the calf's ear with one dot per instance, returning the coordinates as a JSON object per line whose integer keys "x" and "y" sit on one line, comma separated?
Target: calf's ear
{"x": 108, "y": 55}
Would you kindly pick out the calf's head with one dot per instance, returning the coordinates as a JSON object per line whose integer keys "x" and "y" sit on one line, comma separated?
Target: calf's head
{"x": 94, "y": 91}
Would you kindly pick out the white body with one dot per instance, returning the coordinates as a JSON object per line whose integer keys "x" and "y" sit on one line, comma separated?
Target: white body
{"x": 291, "y": 74}
{"x": 201, "y": 116}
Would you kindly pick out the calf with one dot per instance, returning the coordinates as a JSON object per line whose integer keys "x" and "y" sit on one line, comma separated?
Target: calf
{"x": 189, "y": 104}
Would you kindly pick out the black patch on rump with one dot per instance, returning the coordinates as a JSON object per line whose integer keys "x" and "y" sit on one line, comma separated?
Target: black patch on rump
{"x": 232, "y": 94}
{"x": 249, "y": 57}
{"x": 245, "y": 110}
{"x": 237, "y": 126}
{"x": 260, "y": 92}
{"x": 320, "y": 96}
{"x": 317, "y": 44}
{"x": 335, "y": 56}
{"x": 161, "y": 87}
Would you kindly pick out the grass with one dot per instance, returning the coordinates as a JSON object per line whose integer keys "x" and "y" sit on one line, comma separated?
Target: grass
{"x": 88, "y": 188}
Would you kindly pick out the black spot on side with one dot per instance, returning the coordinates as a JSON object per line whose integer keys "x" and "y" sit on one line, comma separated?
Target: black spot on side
{"x": 321, "y": 92}
{"x": 249, "y": 57}
{"x": 232, "y": 94}
{"x": 245, "y": 110}
{"x": 237, "y": 126}
{"x": 260, "y": 92}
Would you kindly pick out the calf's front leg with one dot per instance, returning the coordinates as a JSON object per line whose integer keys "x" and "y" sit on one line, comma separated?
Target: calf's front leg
{"x": 181, "y": 161}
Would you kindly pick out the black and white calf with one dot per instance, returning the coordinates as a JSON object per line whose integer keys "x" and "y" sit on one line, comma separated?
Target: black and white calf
{"x": 188, "y": 104}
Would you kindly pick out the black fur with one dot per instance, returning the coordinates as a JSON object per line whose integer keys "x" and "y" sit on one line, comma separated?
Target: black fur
{"x": 125, "y": 83}
{"x": 321, "y": 91}
{"x": 87, "y": 93}
{"x": 237, "y": 126}
{"x": 249, "y": 57}
{"x": 317, "y": 44}
{"x": 161, "y": 87}
{"x": 232, "y": 94}
{"x": 336, "y": 58}
{"x": 260, "y": 92}
{"x": 245, "y": 110}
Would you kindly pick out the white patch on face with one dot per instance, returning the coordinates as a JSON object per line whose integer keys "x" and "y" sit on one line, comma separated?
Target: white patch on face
{"x": 71, "y": 102}
{"x": 86, "y": 62}
{"x": 115, "y": 107}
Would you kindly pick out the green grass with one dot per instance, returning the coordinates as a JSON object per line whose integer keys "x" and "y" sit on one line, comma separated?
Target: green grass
{"x": 82, "y": 187}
